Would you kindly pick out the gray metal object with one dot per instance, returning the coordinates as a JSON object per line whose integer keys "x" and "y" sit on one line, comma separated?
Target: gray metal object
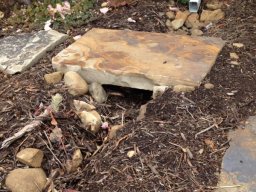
{"x": 194, "y": 5}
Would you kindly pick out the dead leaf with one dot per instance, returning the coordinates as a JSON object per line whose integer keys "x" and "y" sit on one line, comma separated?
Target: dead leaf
{"x": 53, "y": 121}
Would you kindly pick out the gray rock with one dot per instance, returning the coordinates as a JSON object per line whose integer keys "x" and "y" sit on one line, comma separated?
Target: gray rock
{"x": 75, "y": 83}
{"x": 21, "y": 51}
{"x": 31, "y": 157}
{"x": 97, "y": 92}
{"x": 26, "y": 180}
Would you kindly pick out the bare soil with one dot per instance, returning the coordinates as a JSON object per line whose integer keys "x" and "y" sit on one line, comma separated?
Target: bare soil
{"x": 171, "y": 154}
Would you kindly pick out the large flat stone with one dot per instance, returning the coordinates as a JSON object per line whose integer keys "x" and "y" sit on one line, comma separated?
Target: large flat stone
{"x": 139, "y": 59}
{"x": 239, "y": 162}
{"x": 21, "y": 51}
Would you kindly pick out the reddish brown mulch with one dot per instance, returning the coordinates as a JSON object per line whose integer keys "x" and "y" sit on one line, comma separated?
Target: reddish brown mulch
{"x": 169, "y": 156}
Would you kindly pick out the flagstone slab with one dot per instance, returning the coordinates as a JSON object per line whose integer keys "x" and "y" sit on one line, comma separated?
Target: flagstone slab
{"x": 139, "y": 59}
{"x": 23, "y": 50}
{"x": 239, "y": 162}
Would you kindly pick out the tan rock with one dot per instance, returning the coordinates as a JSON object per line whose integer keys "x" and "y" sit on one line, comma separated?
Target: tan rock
{"x": 26, "y": 180}
{"x": 170, "y": 15}
{"x": 139, "y": 60}
{"x": 83, "y": 106}
{"x": 233, "y": 56}
{"x": 91, "y": 120}
{"x": 130, "y": 154}
{"x": 183, "y": 88}
{"x": 113, "y": 130}
{"x": 168, "y": 23}
{"x": 75, "y": 83}
{"x": 192, "y": 21}
{"x": 208, "y": 86}
{"x": 1, "y": 15}
{"x": 234, "y": 63}
{"x": 97, "y": 92}
{"x": 180, "y": 19}
{"x": 73, "y": 164}
{"x": 31, "y": 157}
{"x": 214, "y": 4}
{"x": 53, "y": 78}
{"x": 208, "y": 16}
{"x": 196, "y": 32}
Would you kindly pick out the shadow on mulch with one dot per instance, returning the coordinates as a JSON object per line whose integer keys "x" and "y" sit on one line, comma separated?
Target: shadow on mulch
{"x": 179, "y": 144}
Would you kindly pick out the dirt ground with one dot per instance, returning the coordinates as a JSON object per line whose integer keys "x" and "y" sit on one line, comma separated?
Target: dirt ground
{"x": 171, "y": 155}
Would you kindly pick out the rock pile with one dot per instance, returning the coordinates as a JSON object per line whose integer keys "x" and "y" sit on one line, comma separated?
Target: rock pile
{"x": 183, "y": 22}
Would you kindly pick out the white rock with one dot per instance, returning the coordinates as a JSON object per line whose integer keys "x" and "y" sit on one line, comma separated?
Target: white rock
{"x": 97, "y": 92}
{"x": 234, "y": 63}
{"x": 83, "y": 106}
{"x": 26, "y": 180}
{"x": 208, "y": 16}
{"x": 180, "y": 19}
{"x": 31, "y": 157}
{"x": 158, "y": 91}
{"x": 130, "y": 154}
{"x": 233, "y": 56}
{"x": 91, "y": 120}
{"x": 183, "y": 88}
{"x": 208, "y": 86}
{"x": 77, "y": 159}
{"x": 75, "y": 83}
{"x": 1, "y": 14}
{"x": 53, "y": 78}
{"x": 238, "y": 45}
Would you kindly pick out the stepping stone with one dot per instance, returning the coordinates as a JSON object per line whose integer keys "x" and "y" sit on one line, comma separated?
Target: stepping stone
{"x": 239, "y": 162}
{"x": 21, "y": 51}
{"x": 139, "y": 59}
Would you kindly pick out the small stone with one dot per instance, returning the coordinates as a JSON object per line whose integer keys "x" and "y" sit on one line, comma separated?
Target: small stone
{"x": 196, "y": 32}
{"x": 233, "y": 56}
{"x": 208, "y": 86}
{"x": 31, "y": 157}
{"x": 130, "y": 154}
{"x": 143, "y": 110}
{"x": 29, "y": 180}
{"x": 183, "y": 88}
{"x": 158, "y": 91}
{"x": 171, "y": 3}
{"x": 75, "y": 83}
{"x": 168, "y": 23}
{"x": 97, "y": 92}
{"x": 73, "y": 164}
{"x": 1, "y": 15}
{"x": 113, "y": 130}
{"x": 91, "y": 120}
{"x": 83, "y": 106}
{"x": 180, "y": 19}
{"x": 170, "y": 15}
{"x": 208, "y": 16}
{"x": 104, "y": 4}
{"x": 53, "y": 78}
{"x": 192, "y": 21}
{"x": 214, "y": 4}
{"x": 234, "y": 63}
{"x": 238, "y": 45}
